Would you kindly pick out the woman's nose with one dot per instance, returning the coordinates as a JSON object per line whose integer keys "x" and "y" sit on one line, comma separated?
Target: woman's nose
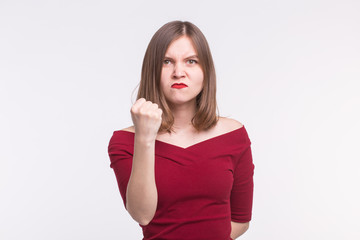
{"x": 178, "y": 71}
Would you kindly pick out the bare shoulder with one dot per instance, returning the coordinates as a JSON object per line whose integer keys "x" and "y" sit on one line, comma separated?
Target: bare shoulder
{"x": 129, "y": 129}
{"x": 229, "y": 124}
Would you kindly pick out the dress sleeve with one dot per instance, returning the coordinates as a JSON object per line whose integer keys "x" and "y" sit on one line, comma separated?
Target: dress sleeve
{"x": 242, "y": 191}
{"x": 121, "y": 162}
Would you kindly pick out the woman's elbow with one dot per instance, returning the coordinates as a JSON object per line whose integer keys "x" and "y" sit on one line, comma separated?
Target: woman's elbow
{"x": 238, "y": 229}
{"x": 143, "y": 221}
{"x": 139, "y": 216}
{"x": 246, "y": 226}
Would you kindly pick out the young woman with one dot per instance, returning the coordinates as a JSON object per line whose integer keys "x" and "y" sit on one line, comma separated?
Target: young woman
{"x": 183, "y": 171}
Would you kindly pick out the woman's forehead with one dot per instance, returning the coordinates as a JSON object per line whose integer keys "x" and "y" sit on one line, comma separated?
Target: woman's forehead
{"x": 181, "y": 47}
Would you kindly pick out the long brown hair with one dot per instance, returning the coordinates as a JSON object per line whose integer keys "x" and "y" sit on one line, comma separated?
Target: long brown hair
{"x": 206, "y": 105}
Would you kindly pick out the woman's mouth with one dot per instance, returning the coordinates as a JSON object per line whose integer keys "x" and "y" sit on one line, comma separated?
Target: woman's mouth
{"x": 179, "y": 85}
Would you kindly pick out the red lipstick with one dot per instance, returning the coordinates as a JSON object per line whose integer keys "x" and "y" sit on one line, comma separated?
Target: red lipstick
{"x": 178, "y": 85}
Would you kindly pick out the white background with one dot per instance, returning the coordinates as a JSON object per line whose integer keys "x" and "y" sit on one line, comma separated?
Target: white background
{"x": 69, "y": 70}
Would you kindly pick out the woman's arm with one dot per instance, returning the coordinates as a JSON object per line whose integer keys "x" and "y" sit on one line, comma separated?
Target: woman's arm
{"x": 237, "y": 229}
{"x": 141, "y": 194}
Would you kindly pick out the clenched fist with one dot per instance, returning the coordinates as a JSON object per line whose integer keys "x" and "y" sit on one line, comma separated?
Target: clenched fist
{"x": 146, "y": 117}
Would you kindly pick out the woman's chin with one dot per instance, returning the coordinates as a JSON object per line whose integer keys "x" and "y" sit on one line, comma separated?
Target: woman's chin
{"x": 179, "y": 102}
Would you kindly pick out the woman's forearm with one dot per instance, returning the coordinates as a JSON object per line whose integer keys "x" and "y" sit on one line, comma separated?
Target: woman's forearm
{"x": 141, "y": 194}
{"x": 237, "y": 229}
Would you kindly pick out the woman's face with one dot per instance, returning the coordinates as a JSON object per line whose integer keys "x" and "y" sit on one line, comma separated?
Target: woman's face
{"x": 181, "y": 65}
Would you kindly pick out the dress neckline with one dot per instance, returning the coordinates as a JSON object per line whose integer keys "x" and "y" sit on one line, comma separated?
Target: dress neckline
{"x": 195, "y": 144}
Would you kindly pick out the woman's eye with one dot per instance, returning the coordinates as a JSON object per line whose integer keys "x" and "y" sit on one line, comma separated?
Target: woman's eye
{"x": 166, "y": 61}
{"x": 192, "y": 61}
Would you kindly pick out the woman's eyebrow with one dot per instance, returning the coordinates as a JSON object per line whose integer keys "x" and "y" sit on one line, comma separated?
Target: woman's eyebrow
{"x": 192, "y": 56}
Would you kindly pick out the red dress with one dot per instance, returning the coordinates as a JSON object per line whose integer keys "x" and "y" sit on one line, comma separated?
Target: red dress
{"x": 201, "y": 188}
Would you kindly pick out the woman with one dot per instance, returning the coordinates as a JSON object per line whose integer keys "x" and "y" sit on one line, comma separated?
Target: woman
{"x": 183, "y": 171}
